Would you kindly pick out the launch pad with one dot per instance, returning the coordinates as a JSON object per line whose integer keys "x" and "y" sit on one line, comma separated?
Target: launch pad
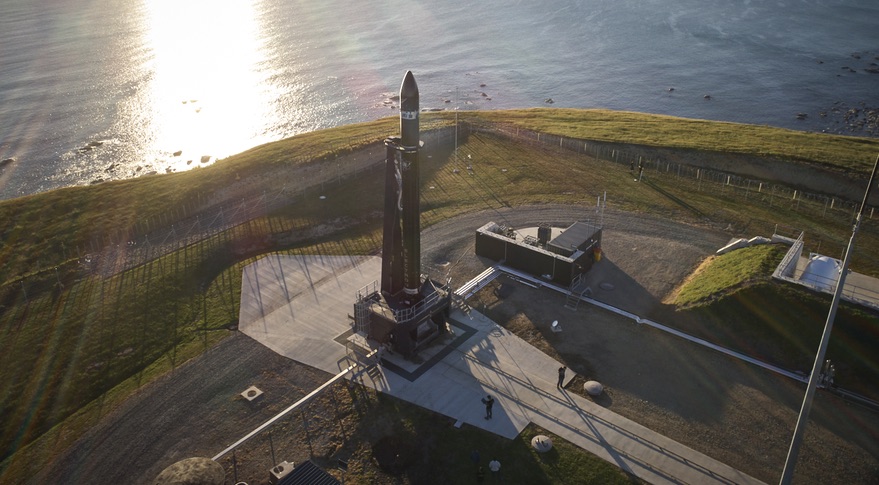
{"x": 405, "y": 324}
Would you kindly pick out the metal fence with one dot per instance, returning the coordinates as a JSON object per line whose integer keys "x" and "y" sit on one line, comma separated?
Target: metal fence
{"x": 771, "y": 194}
{"x": 208, "y": 214}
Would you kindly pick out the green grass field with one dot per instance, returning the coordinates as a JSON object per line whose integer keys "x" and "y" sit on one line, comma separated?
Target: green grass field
{"x": 838, "y": 153}
{"x": 78, "y": 343}
{"x": 733, "y": 300}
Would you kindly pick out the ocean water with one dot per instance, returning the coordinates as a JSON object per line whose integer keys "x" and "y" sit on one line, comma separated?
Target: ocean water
{"x": 100, "y": 90}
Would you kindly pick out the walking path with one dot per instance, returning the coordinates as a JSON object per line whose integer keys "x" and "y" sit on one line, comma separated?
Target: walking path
{"x": 300, "y": 307}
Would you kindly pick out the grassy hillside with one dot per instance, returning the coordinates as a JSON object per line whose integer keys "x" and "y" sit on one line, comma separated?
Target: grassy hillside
{"x": 722, "y": 275}
{"x": 848, "y": 154}
{"x": 78, "y": 342}
{"x": 733, "y": 300}
{"x": 44, "y": 230}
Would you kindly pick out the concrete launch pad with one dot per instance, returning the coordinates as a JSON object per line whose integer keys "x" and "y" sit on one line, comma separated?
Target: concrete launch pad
{"x": 298, "y": 306}
{"x": 313, "y": 327}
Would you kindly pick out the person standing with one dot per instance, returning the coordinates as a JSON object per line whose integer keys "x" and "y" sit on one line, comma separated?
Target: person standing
{"x": 489, "y": 402}
{"x": 561, "y": 377}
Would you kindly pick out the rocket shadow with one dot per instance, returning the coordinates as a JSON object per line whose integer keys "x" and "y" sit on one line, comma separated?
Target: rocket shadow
{"x": 642, "y": 362}
{"x": 610, "y": 284}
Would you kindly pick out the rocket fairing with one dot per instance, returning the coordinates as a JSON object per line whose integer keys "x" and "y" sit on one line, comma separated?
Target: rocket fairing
{"x": 409, "y": 129}
{"x": 410, "y": 199}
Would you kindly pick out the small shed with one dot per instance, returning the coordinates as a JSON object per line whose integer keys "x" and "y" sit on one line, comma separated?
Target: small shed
{"x": 557, "y": 254}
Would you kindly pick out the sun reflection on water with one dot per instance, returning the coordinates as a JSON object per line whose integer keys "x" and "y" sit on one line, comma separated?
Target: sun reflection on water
{"x": 208, "y": 93}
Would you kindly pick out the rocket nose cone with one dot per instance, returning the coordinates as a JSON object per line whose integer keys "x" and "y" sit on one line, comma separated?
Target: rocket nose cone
{"x": 409, "y": 89}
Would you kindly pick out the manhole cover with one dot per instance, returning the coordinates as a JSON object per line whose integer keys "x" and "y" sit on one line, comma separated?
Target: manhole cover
{"x": 251, "y": 393}
{"x": 606, "y": 286}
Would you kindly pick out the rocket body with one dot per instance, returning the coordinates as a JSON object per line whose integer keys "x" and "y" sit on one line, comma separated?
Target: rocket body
{"x": 392, "y": 244}
{"x": 410, "y": 198}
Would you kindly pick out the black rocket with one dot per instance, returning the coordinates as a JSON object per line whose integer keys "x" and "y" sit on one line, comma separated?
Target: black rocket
{"x": 409, "y": 131}
{"x": 401, "y": 249}
{"x": 410, "y": 311}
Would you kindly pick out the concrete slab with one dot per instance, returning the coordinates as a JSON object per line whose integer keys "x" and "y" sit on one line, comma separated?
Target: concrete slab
{"x": 482, "y": 358}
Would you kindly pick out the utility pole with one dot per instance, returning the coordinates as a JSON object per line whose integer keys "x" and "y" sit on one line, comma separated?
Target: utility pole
{"x": 791, "y": 462}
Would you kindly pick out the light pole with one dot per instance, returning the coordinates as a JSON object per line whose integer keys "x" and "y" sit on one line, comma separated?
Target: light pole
{"x": 791, "y": 461}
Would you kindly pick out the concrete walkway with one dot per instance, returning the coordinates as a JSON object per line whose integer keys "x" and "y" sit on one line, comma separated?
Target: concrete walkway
{"x": 300, "y": 306}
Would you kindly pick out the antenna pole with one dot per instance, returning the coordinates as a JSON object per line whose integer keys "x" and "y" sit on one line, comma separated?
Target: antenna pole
{"x": 791, "y": 462}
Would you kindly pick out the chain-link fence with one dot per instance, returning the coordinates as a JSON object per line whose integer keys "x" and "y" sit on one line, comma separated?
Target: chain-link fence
{"x": 207, "y": 214}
